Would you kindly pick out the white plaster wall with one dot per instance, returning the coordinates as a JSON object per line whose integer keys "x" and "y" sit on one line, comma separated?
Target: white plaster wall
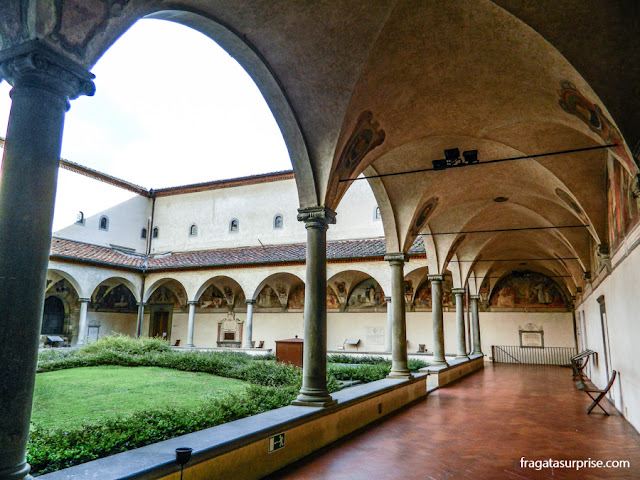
{"x": 112, "y": 323}
{"x": 620, "y": 291}
{"x": 255, "y": 207}
{"x": 276, "y": 326}
{"x": 127, "y": 212}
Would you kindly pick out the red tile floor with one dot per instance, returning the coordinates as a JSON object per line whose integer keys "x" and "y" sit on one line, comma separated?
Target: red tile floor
{"x": 479, "y": 428}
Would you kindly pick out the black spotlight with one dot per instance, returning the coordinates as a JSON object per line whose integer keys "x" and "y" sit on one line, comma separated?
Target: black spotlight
{"x": 470, "y": 157}
{"x": 183, "y": 455}
{"x": 452, "y": 154}
{"x": 439, "y": 164}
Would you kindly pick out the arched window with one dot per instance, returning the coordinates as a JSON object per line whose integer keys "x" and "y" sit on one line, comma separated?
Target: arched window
{"x": 193, "y": 230}
{"x": 104, "y": 223}
{"x": 143, "y": 233}
{"x": 234, "y": 225}
{"x": 155, "y": 232}
{"x": 277, "y": 221}
{"x": 80, "y": 218}
{"x": 376, "y": 213}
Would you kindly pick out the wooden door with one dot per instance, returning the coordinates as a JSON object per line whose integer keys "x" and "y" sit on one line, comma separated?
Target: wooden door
{"x": 160, "y": 325}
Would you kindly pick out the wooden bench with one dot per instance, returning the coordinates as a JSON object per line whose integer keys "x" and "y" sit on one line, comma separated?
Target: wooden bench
{"x": 600, "y": 394}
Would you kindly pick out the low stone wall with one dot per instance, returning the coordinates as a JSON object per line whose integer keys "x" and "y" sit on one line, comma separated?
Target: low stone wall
{"x": 441, "y": 376}
{"x": 241, "y": 449}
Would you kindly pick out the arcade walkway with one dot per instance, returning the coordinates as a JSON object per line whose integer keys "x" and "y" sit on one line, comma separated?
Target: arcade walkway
{"x": 479, "y": 428}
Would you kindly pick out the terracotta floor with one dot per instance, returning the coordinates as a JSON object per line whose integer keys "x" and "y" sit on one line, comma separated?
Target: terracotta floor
{"x": 479, "y": 428}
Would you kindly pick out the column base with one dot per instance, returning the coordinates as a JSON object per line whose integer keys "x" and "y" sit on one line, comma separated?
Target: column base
{"x": 400, "y": 374}
{"x": 438, "y": 363}
{"x": 477, "y": 353}
{"x": 310, "y": 399}
{"x": 190, "y": 345}
{"x": 21, "y": 474}
{"x": 462, "y": 357}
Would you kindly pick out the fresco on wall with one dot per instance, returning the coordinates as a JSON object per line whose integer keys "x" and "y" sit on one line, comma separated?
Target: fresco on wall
{"x": 424, "y": 213}
{"x": 423, "y": 298}
{"x": 268, "y": 298}
{"x": 368, "y": 294}
{"x": 212, "y": 297}
{"x": 165, "y": 296}
{"x": 333, "y": 302}
{"x": 623, "y": 205}
{"x": 527, "y": 289}
{"x": 423, "y": 295}
{"x": 575, "y": 103}
{"x": 366, "y": 136}
{"x": 118, "y": 299}
{"x": 296, "y": 298}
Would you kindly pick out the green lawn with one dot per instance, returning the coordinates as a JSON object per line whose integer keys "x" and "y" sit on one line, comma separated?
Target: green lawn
{"x": 67, "y": 398}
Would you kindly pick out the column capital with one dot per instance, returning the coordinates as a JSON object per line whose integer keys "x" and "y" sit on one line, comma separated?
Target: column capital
{"x": 249, "y": 302}
{"x": 436, "y": 277}
{"x": 396, "y": 257}
{"x": 387, "y": 299}
{"x": 36, "y": 65}
{"x": 474, "y": 297}
{"x": 458, "y": 291}
{"x": 192, "y": 302}
{"x": 316, "y": 216}
{"x": 141, "y": 304}
{"x": 84, "y": 300}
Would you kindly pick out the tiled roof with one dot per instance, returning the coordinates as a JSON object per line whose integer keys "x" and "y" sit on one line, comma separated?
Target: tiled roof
{"x": 93, "y": 253}
{"x": 336, "y": 250}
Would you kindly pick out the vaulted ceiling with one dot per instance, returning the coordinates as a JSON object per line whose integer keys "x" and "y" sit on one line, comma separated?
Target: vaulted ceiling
{"x": 379, "y": 87}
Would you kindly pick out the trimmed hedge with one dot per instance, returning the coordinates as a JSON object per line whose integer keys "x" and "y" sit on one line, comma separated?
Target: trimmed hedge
{"x": 54, "y": 449}
{"x": 272, "y": 386}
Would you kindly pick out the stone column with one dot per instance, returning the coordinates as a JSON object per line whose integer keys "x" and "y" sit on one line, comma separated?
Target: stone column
{"x": 475, "y": 321}
{"x": 82, "y": 324}
{"x": 192, "y": 318}
{"x": 389, "y": 325}
{"x": 43, "y": 82}
{"x": 438, "y": 320}
{"x": 140, "y": 319}
{"x": 399, "y": 367}
{"x": 314, "y": 370}
{"x": 247, "y": 337}
{"x": 462, "y": 341}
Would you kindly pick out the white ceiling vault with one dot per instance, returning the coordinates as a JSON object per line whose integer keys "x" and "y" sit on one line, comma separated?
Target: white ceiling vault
{"x": 379, "y": 87}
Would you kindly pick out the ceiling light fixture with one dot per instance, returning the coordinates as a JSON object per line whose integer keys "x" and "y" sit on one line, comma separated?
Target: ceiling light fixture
{"x": 452, "y": 159}
{"x": 500, "y": 199}
{"x": 498, "y": 160}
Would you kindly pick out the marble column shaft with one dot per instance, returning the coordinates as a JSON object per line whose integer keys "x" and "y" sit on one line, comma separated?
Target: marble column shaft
{"x": 82, "y": 323}
{"x": 247, "y": 336}
{"x": 437, "y": 320}
{"x": 475, "y": 321}
{"x": 190, "y": 325}
{"x": 140, "y": 319}
{"x": 399, "y": 368}
{"x": 43, "y": 82}
{"x": 460, "y": 327}
{"x": 389, "y": 336}
{"x": 314, "y": 370}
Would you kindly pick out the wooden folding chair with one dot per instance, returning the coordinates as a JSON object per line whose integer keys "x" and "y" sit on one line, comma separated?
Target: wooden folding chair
{"x": 601, "y": 394}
